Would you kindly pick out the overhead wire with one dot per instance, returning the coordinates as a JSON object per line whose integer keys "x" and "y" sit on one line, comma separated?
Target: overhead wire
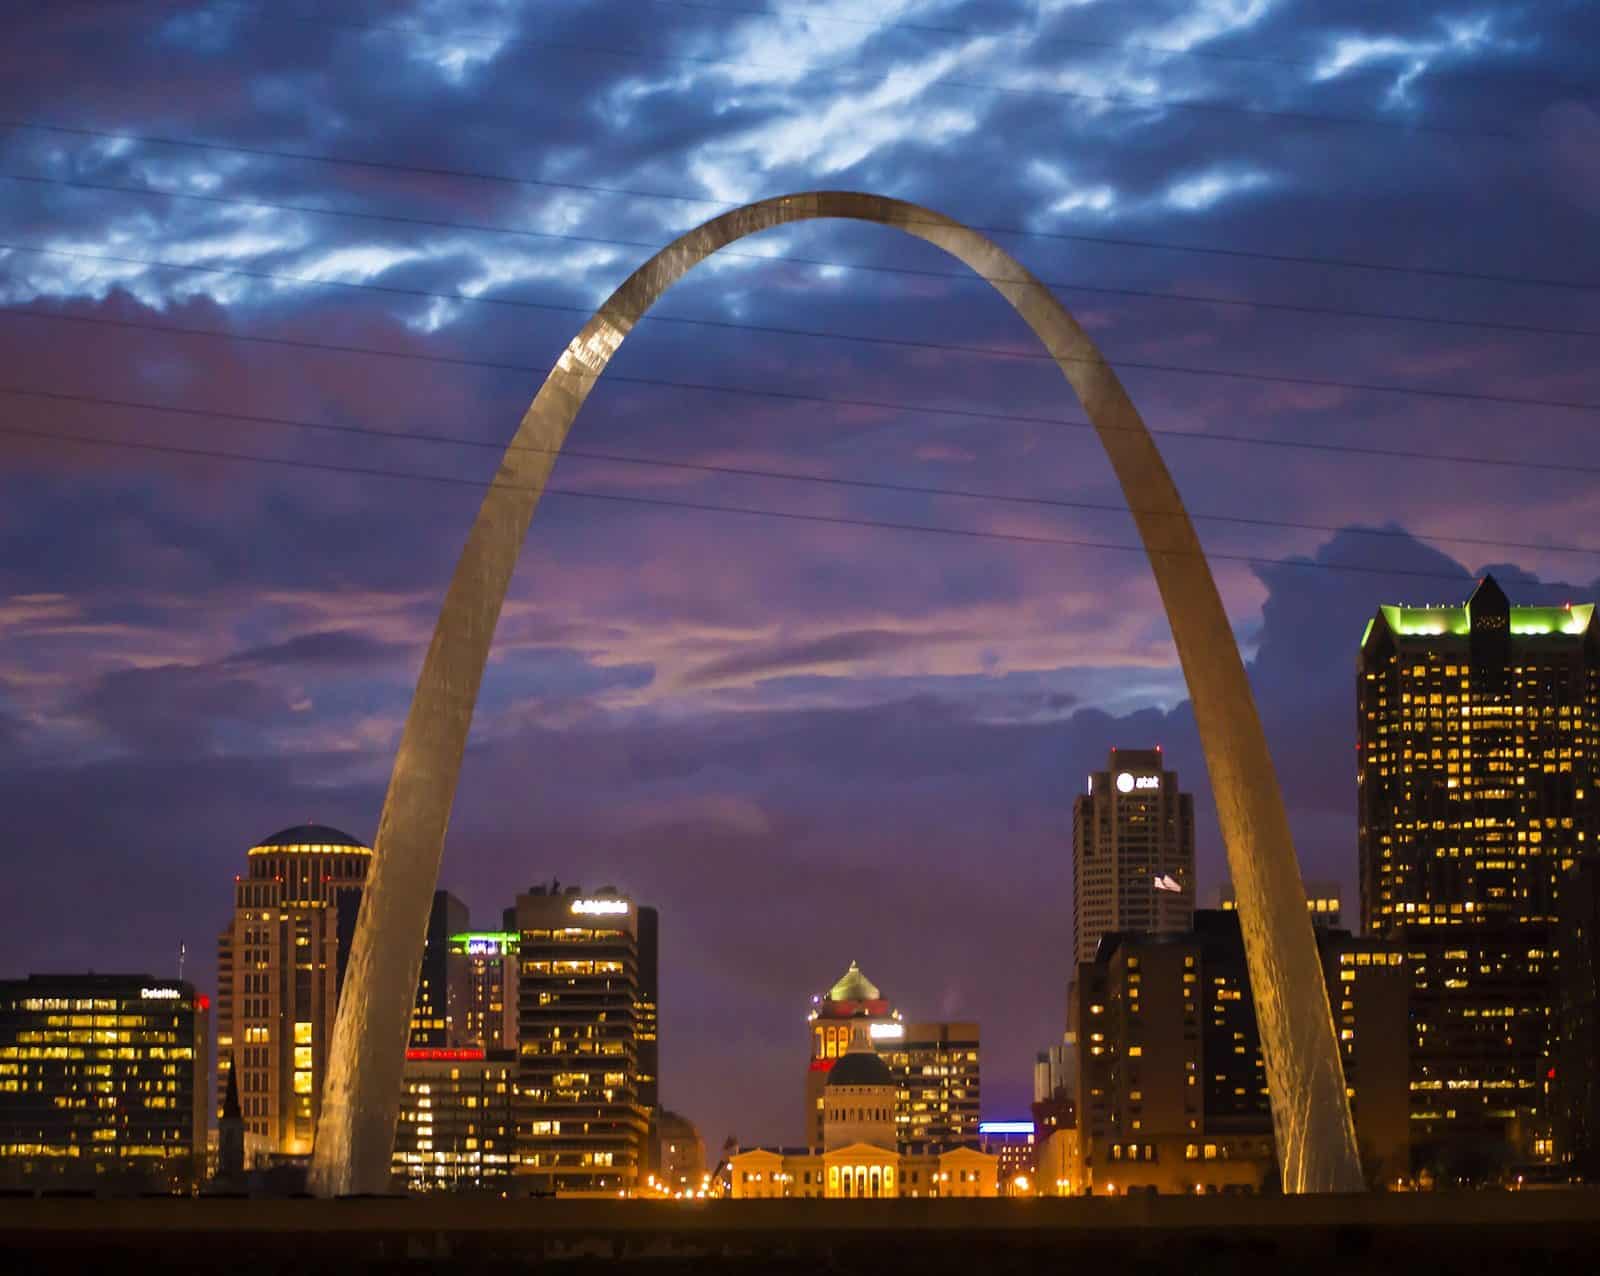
{"x": 984, "y": 352}
{"x": 1559, "y": 466}
{"x": 1116, "y": 241}
{"x": 1252, "y": 303}
{"x": 744, "y": 471}
{"x": 1020, "y": 538}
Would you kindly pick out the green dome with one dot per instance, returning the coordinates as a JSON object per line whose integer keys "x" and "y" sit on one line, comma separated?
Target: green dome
{"x": 854, "y": 986}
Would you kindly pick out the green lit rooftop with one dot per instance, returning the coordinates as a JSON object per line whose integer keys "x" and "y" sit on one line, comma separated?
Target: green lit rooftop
{"x": 486, "y": 936}
{"x": 1413, "y": 622}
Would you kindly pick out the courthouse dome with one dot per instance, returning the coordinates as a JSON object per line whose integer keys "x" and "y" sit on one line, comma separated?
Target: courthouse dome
{"x": 860, "y": 1067}
{"x": 308, "y": 836}
{"x": 853, "y": 986}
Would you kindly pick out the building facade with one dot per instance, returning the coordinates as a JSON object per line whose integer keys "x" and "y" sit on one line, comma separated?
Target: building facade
{"x": 853, "y": 999}
{"x": 489, "y": 959}
{"x": 1132, "y": 851}
{"x": 438, "y": 1016}
{"x": 1476, "y": 765}
{"x": 457, "y": 1130}
{"x": 279, "y": 967}
{"x": 104, "y": 1081}
{"x": 859, "y": 1155}
{"x": 1324, "y": 901}
{"x": 1014, "y": 1145}
{"x": 1577, "y": 1059}
{"x": 1172, "y": 1090}
{"x": 581, "y": 1124}
{"x": 936, "y": 1067}
{"x": 681, "y": 1155}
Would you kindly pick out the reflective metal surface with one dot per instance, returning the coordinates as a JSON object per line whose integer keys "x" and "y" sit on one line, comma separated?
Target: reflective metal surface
{"x": 1311, "y": 1116}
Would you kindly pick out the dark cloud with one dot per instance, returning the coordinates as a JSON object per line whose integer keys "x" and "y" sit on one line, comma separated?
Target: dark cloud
{"x": 834, "y": 649}
{"x": 178, "y": 710}
{"x": 328, "y": 649}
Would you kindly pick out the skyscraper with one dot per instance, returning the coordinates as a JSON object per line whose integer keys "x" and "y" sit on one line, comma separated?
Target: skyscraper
{"x": 279, "y": 964}
{"x": 438, "y": 1017}
{"x": 1476, "y": 767}
{"x": 936, "y": 1069}
{"x": 1172, "y": 1082}
{"x": 103, "y": 1082}
{"x": 490, "y": 960}
{"x": 581, "y": 1125}
{"x": 1132, "y": 852}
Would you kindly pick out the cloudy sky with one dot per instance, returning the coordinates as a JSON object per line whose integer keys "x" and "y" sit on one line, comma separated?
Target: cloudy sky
{"x": 1330, "y": 248}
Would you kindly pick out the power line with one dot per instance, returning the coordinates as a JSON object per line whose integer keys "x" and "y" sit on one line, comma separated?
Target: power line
{"x": 982, "y": 352}
{"x": 1019, "y": 538}
{"x": 734, "y": 471}
{"x": 1564, "y": 467}
{"x": 1484, "y": 325}
{"x": 1121, "y": 101}
{"x": 1343, "y": 263}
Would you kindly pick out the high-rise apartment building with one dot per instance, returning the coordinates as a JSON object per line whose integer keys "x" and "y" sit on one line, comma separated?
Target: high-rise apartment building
{"x": 1172, "y": 1088}
{"x": 1476, "y": 766}
{"x": 581, "y": 1125}
{"x": 1577, "y": 1055}
{"x": 647, "y": 1027}
{"x": 279, "y": 966}
{"x": 937, "y": 1079}
{"x": 489, "y": 958}
{"x": 103, "y": 1082}
{"x": 457, "y": 1127}
{"x": 1132, "y": 851}
{"x": 439, "y": 1013}
{"x": 1324, "y": 902}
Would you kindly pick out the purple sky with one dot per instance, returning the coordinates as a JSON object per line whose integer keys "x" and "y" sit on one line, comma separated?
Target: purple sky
{"x": 805, "y": 742}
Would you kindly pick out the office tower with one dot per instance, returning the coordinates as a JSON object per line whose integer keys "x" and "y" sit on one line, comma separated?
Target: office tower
{"x": 438, "y": 1015}
{"x": 1172, "y": 1089}
{"x": 489, "y": 958}
{"x": 1476, "y": 739}
{"x": 937, "y": 1074}
{"x": 832, "y": 1017}
{"x": 1324, "y": 901}
{"x": 279, "y": 966}
{"x": 1577, "y": 1054}
{"x": 104, "y": 1082}
{"x": 1132, "y": 851}
{"x": 457, "y": 1130}
{"x": 648, "y": 1023}
{"x": 581, "y": 1127}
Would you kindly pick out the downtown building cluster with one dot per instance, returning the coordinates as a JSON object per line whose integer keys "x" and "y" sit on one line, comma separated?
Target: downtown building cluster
{"x": 1463, "y": 998}
{"x": 533, "y": 1057}
{"x": 891, "y": 1108}
{"x": 1464, "y": 1008}
{"x": 531, "y": 1069}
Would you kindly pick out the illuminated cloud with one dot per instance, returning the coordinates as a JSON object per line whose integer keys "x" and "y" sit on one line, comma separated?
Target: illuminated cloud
{"x": 1202, "y": 191}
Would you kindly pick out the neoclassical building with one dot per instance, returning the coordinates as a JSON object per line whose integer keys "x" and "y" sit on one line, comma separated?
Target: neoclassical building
{"x": 859, "y": 1157}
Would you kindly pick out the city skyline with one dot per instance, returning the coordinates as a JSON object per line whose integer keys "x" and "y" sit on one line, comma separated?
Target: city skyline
{"x": 198, "y": 652}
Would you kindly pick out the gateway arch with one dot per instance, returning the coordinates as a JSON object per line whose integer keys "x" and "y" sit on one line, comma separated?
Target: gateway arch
{"x": 1305, "y": 1079}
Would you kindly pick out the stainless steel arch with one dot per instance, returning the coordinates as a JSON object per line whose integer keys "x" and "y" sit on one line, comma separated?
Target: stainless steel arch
{"x": 1311, "y": 1116}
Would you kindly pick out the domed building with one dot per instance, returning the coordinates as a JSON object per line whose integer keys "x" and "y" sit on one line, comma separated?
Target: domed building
{"x": 856, "y": 1154}
{"x": 280, "y": 963}
{"x": 854, "y": 999}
